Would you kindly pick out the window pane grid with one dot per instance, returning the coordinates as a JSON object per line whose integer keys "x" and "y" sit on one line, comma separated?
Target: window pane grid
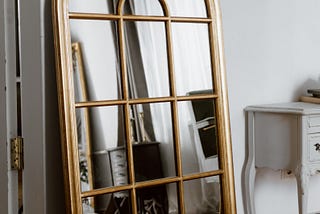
{"x": 173, "y": 99}
{"x": 180, "y": 178}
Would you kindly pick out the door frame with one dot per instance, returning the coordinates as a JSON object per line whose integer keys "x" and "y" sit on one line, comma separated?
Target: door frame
{"x": 8, "y": 112}
{"x": 3, "y": 125}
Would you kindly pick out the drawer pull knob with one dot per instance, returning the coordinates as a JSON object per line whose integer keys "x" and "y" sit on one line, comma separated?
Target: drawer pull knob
{"x": 317, "y": 145}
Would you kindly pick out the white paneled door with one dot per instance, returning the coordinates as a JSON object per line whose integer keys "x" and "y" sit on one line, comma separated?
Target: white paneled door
{"x": 28, "y": 108}
{"x": 9, "y": 81}
{"x": 3, "y": 125}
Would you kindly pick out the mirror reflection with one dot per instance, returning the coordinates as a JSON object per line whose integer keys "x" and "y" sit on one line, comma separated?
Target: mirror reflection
{"x": 198, "y": 133}
{"x": 191, "y": 51}
{"x": 203, "y": 196}
{"x": 138, "y": 7}
{"x": 148, "y": 73}
{"x": 119, "y": 202}
{"x": 102, "y": 144}
{"x": 94, "y": 6}
{"x": 104, "y": 132}
{"x": 99, "y": 57}
{"x": 187, "y": 8}
{"x": 154, "y": 138}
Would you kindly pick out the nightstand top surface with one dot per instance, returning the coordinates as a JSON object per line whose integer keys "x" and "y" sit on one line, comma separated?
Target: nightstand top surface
{"x": 291, "y": 107}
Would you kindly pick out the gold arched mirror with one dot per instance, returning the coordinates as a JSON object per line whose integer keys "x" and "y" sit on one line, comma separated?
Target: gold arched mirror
{"x": 143, "y": 106}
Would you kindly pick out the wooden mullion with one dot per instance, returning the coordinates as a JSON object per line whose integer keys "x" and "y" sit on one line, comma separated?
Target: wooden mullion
{"x": 174, "y": 106}
{"x": 191, "y": 20}
{"x": 138, "y": 185}
{"x": 105, "y": 190}
{"x": 127, "y": 105}
{"x": 197, "y": 97}
{"x": 93, "y": 16}
{"x": 143, "y": 100}
{"x": 115, "y": 17}
{"x": 162, "y": 181}
{"x": 99, "y": 103}
{"x": 202, "y": 175}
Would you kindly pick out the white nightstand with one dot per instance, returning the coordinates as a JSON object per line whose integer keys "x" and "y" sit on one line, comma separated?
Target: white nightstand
{"x": 283, "y": 136}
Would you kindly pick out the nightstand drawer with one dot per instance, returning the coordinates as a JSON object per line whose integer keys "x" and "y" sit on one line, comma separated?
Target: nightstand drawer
{"x": 314, "y": 147}
{"x": 313, "y": 124}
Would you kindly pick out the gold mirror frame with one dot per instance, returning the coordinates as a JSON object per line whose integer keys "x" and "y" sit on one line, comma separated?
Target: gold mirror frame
{"x": 67, "y": 106}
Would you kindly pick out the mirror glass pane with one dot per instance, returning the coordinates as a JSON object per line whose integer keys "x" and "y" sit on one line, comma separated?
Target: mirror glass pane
{"x": 118, "y": 202}
{"x": 192, "y": 58}
{"x": 187, "y": 8}
{"x": 101, "y": 140}
{"x": 157, "y": 199}
{"x": 143, "y": 8}
{"x": 198, "y": 136}
{"x": 99, "y": 57}
{"x": 92, "y": 6}
{"x": 147, "y": 70}
{"x": 153, "y": 151}
{"x": 203, "y": 196}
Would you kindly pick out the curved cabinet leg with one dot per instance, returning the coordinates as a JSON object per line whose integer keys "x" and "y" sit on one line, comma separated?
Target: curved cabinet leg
{"x": 302, "y": 175}
{"x": 250, "y": 176}
{"x": 250, "y": 171}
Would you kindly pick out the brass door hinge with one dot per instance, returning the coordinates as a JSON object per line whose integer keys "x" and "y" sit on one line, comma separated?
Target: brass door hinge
{"x": 17, "y": 153}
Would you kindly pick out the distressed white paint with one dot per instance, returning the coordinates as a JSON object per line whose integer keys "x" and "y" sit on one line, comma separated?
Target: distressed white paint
{"x": 11, "y": 98}
{"x": 32, "y": 76}
{"x": 281, "y": 136}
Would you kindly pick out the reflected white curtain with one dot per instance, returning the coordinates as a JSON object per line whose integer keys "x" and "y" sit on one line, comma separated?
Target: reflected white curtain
{"x": 188, "y": 62}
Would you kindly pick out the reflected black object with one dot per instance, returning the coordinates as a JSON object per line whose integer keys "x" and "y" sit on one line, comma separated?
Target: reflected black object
{"x": 204, "y": 112}
{"x": 147, "y": 166}
{"x": 208, "y": 140}
{"x": 202, "y": 109}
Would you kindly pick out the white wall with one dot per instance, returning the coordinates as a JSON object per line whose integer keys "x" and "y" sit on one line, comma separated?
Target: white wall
{"x": 272, "y": 55}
